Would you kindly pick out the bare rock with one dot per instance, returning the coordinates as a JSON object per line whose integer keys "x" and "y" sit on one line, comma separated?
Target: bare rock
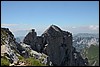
{"x": 57, "y": 45}
{"x": 30, "y": 39}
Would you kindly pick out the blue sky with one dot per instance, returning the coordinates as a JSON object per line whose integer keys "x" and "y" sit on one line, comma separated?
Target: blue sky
{"x": 73, "y": 16}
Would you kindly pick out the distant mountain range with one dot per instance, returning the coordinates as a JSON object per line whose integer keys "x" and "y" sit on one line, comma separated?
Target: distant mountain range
{"x": 96, "y": 35}
{"x": 88, "y": 45}
{"x": 83, "y": 40}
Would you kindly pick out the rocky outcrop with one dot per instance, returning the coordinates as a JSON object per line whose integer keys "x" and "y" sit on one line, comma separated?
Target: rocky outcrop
{"x": 30, "y": 39}
{"x": 14, "y": 51}
{"x": 37, "y": 55}
{"x": 36, "y": 42}
{"x": 53, "y": 47}
{"x": 57, "y": 44}
{"x": 9, "y": 47}
{"x": 77, "y": 59}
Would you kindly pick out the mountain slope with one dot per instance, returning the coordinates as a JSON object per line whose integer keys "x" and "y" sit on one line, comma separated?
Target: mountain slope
{"x": 92, "y": 53}
{"x": 83, "y": 40}
{"x": 13, "y": 52}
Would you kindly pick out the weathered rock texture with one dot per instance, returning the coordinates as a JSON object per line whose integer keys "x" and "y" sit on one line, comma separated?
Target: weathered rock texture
{"x": 57, "y": 44}
{"x": 30, "y": 39}
{"x": 9, "y": 47}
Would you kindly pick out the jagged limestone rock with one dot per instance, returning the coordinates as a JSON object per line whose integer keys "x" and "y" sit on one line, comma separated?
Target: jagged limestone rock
{"x": 8, "y": 46}
{"x": 30, "y": 39}
{"x": 57, "y": 44}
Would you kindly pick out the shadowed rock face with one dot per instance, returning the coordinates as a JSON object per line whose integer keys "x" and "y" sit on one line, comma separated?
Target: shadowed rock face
{"x": 57, "y": 44}
{"x": 30, "y": 39}
{"x": 9, "y": 47}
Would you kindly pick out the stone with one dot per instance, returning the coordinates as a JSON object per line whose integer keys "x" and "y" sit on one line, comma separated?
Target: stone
{"x": 9, "y": 45}
{"x": 30, "y": 39}
{"x": 57, "y": 45}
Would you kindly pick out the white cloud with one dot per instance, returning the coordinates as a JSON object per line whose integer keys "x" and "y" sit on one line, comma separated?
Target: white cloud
{"x": 22, "y": 29}
{"x": 94, "y": 27}
{"x": 83, "y": 29}
{"x": 17, "y": 27}
{"x": 74, "y": 27}
{"x": 9, "y": 25}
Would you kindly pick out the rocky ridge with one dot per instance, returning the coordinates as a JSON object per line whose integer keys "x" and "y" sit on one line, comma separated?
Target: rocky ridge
{"x": 57, "y": 44}
{"x": 85, "y": 40}
{"x": 53, "y": 48}
{"x": 12, "y": 50}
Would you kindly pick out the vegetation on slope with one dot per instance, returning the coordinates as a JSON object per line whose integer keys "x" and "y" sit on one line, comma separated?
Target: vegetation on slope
{"x": 93, "y": 55}
{"x": 30, "y": 61}
{"x": 4, "y": 61}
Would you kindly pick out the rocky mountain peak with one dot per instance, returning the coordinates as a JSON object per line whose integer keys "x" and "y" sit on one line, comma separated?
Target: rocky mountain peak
{"x": 32, "y": 30}
{"x": 57, "y": 44}
{"x": 53, "y": 30}
{"x": 6, "y": 32}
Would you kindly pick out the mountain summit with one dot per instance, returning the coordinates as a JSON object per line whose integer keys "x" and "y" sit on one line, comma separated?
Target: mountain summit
{"x": 57, "y": 44}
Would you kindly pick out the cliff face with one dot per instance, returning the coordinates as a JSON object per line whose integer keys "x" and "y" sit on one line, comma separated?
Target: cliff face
{"x": 9, "y": 47}
{"x": 57, "y": 44}
{"x": 30, "y": 39}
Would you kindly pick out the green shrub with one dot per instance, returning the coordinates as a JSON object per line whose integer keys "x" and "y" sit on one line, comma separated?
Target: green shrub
{"x": 20, "y": 57}
{"x": 33, "y": 62}
{"x": 4, "y": 62}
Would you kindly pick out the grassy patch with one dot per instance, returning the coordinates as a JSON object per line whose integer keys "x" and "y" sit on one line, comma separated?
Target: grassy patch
{"x": 33, "y": 62}
{"x": 20, "y": 58}
{"x": 92, "y": 54}
{"x": 4, "y": 62}
{"x": 30, "y": 61}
